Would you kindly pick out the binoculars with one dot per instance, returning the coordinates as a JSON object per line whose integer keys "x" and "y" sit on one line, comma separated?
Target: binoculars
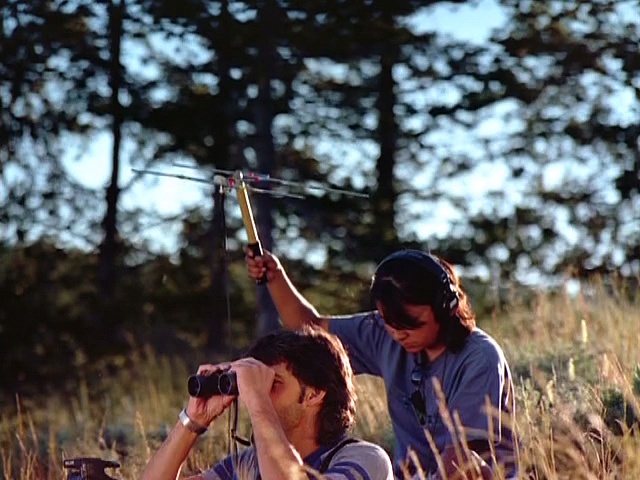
{"x": 88, "y": 468}
{"x": 218, "y": 383}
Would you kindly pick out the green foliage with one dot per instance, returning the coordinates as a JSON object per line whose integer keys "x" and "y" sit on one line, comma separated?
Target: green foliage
{"x": 619, "y": 412}
{"x": 49, "y": 59}
{"x": 555, "y": 69}
{"x": 51, "y": 335}
{"x": 47, "y": 298}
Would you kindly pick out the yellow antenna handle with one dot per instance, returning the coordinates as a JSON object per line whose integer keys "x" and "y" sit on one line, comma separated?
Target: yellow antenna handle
{"x": 247, "y": 213}
{"x": 247, "y": 217}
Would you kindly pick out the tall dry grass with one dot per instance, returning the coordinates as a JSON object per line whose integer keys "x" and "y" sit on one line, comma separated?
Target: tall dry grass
{"x": 576, "y": 363}
{"x": 574, "y": 359}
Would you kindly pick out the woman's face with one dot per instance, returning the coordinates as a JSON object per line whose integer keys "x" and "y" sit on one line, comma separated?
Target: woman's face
{"x": 424, "y": 337}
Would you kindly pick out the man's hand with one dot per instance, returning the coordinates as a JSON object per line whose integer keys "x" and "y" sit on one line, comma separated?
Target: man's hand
{"x": 166, "y": 462}
{"x": 258, "y": 266}
{"x": 204, "y": 410}
{"x": 255, "y": 380}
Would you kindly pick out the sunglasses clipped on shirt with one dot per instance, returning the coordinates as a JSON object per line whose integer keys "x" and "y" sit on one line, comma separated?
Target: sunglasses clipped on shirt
{"x": 417, "y": 397}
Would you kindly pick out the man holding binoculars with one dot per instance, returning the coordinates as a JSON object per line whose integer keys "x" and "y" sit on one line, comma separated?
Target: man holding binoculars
{"x": 298, "y": 389}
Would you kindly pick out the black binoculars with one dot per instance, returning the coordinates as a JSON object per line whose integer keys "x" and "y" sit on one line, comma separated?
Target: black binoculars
{"x": 218, "y": 383}
{"x": 88, "y": 468}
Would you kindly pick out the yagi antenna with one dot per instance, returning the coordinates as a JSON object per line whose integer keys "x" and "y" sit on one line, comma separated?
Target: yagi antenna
{"x": 229, "y": 180}
{"x": 245, "y": 182}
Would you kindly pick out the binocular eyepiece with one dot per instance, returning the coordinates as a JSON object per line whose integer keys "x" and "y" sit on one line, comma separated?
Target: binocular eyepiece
{"x": 218, "y": 383}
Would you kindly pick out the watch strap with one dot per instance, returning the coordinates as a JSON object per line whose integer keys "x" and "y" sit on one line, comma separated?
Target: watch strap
{"x": 195, "y": 427}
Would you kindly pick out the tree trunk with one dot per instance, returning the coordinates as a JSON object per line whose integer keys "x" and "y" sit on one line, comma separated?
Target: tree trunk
{"x": 109, "y": 249}
{"x": 385, "y": 197}
{"x": 218, "y": 335}
{"x": 265, "y": 152}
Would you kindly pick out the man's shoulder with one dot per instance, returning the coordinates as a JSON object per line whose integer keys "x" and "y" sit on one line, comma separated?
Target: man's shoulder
{"x": 226, "y": 469}
{"x": 363, "y": 456}
{"x": 358, "y": 444}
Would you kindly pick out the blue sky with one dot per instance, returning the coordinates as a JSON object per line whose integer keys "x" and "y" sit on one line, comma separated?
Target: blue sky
{"x": 91, "y": 162}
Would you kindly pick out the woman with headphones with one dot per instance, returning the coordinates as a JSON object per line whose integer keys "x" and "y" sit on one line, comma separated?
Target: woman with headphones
{"x": 447, "y": 381}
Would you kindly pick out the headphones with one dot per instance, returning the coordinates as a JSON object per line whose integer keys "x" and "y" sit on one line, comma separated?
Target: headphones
{"x": 445, "y": 300}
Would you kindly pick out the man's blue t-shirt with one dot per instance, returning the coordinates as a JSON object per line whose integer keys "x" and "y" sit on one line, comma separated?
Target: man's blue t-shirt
{"x": 467, "y": 378}
{"x": 359, "y": 460}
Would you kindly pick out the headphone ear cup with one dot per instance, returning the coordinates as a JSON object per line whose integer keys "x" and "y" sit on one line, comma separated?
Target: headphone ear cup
{"x": 445, "y": 308}
{"x": 448, "y": 302}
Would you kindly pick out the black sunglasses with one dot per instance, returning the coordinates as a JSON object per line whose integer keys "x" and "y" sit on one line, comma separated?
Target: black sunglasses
{"x": 417, "y": 397}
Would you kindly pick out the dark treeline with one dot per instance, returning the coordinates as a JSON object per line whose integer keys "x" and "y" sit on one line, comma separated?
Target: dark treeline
{"x": 525, "y": 144}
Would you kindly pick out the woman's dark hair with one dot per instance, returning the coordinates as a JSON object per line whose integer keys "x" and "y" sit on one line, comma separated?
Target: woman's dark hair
{"x": 413, "y": 277}
{"x": 317, "y": 359}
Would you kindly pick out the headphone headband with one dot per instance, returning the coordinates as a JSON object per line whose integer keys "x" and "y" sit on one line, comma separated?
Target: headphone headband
{"x": 446, "y": 300}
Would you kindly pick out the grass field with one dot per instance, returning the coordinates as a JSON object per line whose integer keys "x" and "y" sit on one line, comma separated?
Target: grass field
{"x": 575, "y": 361}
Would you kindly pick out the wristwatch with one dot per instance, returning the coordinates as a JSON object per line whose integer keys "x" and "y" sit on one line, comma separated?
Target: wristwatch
{"x": 195, "y": 427}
